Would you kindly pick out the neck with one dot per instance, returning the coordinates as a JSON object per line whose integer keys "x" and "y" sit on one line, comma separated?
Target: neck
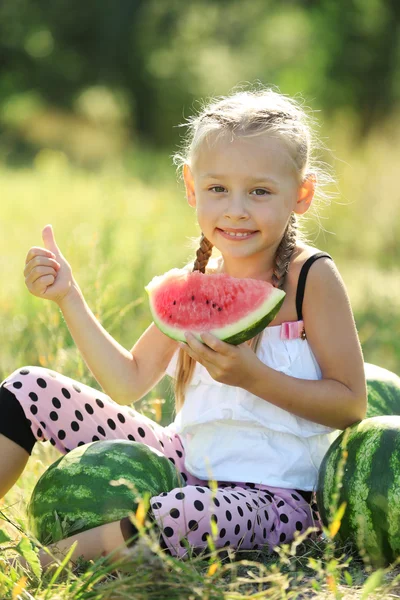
{"x": 247, "y": 268}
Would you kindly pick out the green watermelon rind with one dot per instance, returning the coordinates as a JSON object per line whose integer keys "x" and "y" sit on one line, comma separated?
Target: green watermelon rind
{"x": 251, "y": 331}
{"x": 236, "y": 333}
{"x": 65, "y": 501}
{"x": 370, "y": 486}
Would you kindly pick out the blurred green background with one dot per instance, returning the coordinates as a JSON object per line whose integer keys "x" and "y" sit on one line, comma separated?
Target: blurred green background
{"x": 91, "y": 94}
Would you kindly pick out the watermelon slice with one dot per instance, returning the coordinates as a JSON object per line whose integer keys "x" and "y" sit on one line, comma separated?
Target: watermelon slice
{"x": 232, "y": 309}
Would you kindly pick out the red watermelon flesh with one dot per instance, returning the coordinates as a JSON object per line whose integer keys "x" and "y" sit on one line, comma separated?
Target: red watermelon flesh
{"x": 233, "y": 309}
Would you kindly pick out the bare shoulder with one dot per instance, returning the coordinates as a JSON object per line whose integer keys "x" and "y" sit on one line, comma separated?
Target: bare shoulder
{"x": 325, "y": 294}
{"x": 323, "y": 278}
{"x": 330, "y": 326}
{"x": 301, "y": 254}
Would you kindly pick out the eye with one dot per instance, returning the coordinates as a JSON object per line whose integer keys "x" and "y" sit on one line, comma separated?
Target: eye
{"x": 215, "y": 187}
{"x": 266, "y": 192}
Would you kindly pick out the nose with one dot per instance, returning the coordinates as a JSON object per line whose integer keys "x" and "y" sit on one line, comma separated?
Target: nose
{"x": 236, "y": 208}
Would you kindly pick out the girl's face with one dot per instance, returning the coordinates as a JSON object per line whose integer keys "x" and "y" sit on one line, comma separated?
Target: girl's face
{"x": 247, "y": 186}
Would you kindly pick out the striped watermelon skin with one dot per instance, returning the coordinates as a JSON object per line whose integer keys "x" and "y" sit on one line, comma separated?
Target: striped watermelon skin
{"x": 74, "y": 494}
{"x": 371, "y": 487}
{"x": 254, "y": 328}
{"x": 383, "y": 391}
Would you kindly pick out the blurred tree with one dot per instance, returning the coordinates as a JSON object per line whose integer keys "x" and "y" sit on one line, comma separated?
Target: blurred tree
{"x": 361, "y": 41}
{"x": 160, "y": 56}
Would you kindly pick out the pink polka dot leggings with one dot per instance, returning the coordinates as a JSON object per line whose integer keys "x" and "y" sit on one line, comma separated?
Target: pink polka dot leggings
{"x": 245, "y": 515}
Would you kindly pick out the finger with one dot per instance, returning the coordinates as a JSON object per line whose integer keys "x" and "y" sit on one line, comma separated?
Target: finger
{"x": 216, "y": 344}
{"x": 39, "y": 272}
{"x": 41, "y": 261}
{"x": 40, "y": 285}
{"x": 186, "y": 348}
{"x": 50, "y": 241}
{"x": 204, "y": 352}
{"x": 36, "y": 251}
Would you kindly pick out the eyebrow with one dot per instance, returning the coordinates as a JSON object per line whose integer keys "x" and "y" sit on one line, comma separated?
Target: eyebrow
{"x": 253, "y": 179}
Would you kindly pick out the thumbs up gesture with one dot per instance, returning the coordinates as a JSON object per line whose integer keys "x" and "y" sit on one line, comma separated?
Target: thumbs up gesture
{"x": 47, "y": 274}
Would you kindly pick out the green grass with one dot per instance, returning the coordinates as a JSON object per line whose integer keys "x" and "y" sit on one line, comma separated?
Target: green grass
{"x": 305, "y": 568}
{"x": 118, "y": 229}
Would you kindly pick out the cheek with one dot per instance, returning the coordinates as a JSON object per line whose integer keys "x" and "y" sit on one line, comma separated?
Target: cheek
{"x": 270, "y": 213}
{"x": 206, "y": 215}
{"x": 280, "y": 208}
{"x": 272, "y": 217}
{"x": 289, "y": 197}
{"x": 203, "y": 222}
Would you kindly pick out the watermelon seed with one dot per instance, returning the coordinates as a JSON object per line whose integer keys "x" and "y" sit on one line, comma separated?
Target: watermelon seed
{"x": 214, "y": 305}
{"x": 174, "y": 302}
{"x": 192, "y": 297}
{"x": 207, "y": 302}
{"x": 219, "y": 308}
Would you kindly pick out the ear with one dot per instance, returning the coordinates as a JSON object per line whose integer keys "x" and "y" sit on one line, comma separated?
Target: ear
{"x": 305, "y": 194}
{"x": 189, "y": 184}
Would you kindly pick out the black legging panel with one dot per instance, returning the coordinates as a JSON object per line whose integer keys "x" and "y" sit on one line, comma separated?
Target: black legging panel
{"x": 13, "y": 423}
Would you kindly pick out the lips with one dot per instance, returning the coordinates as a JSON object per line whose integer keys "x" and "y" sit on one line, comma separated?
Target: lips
{"x": 247, "y": 233}
{"x": 237, "y": 230}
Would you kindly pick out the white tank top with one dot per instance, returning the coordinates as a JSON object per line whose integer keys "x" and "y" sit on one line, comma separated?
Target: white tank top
{"x": 230, "y": 434}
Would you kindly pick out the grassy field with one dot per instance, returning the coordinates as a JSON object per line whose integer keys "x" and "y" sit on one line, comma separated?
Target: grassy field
{"x": 118, "y": 228}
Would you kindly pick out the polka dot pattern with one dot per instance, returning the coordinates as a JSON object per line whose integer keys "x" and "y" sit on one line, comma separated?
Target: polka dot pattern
{"x": 246, "y": 518}
{"x": 246, "y": 515}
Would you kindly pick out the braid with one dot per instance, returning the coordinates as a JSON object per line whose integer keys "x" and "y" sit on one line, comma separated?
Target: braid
{"x": 203, "y": 254}
{"x": 186, "y": 364}
{"x": 284, "y": 252}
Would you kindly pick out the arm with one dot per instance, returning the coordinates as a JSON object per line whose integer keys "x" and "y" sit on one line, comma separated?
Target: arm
{"x": 340, "y": 397}
{"x": 126, "y": 376}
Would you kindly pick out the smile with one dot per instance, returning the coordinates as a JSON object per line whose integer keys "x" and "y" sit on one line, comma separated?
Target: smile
{"x": 236, "y": 235}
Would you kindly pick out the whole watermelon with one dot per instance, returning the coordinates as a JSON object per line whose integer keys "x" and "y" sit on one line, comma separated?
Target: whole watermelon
{"x": 383, "y": 391}
{"x": 74, "y": 494}
{"x": 371, "y": 487}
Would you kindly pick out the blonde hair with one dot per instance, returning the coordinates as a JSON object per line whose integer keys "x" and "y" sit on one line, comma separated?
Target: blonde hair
{"x": 249, "y": 114}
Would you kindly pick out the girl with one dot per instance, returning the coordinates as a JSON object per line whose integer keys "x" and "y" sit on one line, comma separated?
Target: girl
{"x": 257, "y": 418}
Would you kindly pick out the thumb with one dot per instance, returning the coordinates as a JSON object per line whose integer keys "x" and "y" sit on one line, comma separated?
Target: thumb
{"x": 49, "y": 240}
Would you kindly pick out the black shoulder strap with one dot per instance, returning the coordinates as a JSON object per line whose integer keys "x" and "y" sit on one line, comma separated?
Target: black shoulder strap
{"x": 302, "y": 281}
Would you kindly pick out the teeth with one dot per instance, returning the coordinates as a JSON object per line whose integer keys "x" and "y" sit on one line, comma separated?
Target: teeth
{"x": 237, "y": 234}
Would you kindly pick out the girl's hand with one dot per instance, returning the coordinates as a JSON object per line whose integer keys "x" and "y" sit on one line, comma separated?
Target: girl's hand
{"x": 226, "y": 363}
{"x": 47, "y": 274}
